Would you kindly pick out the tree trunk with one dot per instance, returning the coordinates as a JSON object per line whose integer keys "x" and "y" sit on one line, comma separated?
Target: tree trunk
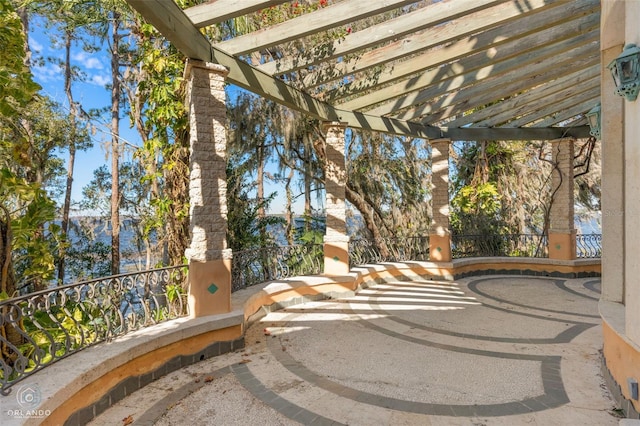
{"x": 177, "y": 185}
{"x": 115, "y": 148}
{"x": 7, "y": 288}
{"x": 289, "y": 216}
{"x": 260, "y": 187}
{"x": 73, "y": 112}
{"x": 308, "y": 178}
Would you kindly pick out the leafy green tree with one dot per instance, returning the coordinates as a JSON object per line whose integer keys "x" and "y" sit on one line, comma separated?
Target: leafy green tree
{"x": 387, "y": 181}
{"x": 246, "y": 228}
{"x": 30, "y": 131}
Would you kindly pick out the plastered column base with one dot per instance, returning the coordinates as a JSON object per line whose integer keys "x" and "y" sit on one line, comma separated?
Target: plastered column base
{"x": 562, "y": 246}
{"x": 622, "y": 358}
{"x": 336, "y": 258}
{"x": 439, "y": 248}
{"x": 204, "y": 299}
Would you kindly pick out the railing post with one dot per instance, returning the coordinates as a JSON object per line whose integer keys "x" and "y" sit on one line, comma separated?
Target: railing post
{"x": 562, "y": 232}
{"x": 208, "y": 255}
{"x": 336, "y": 240}
{"x": 440, "y": 235}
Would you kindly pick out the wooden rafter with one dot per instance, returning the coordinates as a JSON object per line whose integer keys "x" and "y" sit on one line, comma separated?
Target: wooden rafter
{"x": 516, "y": 53}
{"x": 432, "y": 15}
{"x": 568, "y": 15}
{"x": 501, "y": 72}
{"x": 518, "y": 104}
{"x": 435, "y": 36}
{"x": 320, "y": 20}
{"x": 217, "y": 11}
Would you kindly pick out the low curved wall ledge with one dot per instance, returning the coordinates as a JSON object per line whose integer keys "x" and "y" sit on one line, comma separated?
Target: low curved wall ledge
{"x": 78, "y": 388}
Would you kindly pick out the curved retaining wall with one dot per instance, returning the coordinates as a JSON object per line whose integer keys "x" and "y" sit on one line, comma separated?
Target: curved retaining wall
{"x": 76, "y": 389}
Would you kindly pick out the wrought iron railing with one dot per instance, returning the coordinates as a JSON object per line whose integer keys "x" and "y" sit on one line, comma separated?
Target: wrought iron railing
{"x": 588, "y": 246}
{"x": 255, "y": 266}
{"x": 365, "y": 251}
{"x": 43, "y": 327}
{"x": 511, "y": 245}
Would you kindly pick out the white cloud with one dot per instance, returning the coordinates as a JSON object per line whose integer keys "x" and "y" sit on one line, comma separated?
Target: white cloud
{"x": 35, "y": 45}
{"x": 100, "y": 79}
{"x": 88, "y": 60}
{"x": 48, "y": 73}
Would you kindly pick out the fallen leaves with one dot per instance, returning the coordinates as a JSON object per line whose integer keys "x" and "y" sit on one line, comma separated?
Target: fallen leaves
{"x": 127, "y": 420}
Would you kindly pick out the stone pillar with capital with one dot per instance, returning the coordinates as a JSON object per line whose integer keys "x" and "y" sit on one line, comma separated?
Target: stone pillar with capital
{"x": 440, "y": 234}
{"x": 562, "y": 231}
{"x": 208, "y": 255}
{"x": 336, "y": 240}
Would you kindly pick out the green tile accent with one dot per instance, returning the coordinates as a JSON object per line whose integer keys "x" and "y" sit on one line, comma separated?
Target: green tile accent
{"x": 558, "y": 246}
{"x": 212, "y": 288}
{"x": 336, "y": 258}
{"x": 438, "y": 248}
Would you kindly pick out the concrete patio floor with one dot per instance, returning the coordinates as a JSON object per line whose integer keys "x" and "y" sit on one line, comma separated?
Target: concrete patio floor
{"x": 492, "y": 350}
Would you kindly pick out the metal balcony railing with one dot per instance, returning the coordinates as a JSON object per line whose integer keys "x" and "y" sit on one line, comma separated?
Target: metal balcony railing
{"x": 255, "y": 266}
{"x": 40, "y": 328}
{"x": 364, "y": 251}
{"x": 492, "y": 245}
{"x": 588, "y": 246}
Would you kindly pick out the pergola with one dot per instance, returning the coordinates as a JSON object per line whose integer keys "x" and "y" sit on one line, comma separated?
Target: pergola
{"x": 450, "y": 70}
{"x": 460, "y": 70}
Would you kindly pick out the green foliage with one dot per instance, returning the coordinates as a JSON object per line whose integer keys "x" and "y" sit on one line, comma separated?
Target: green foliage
{"x": 390, "y": 176}
{"x": 312, "y": 230}
{"x": 17, "y": 87}
{"x": 245, "y": 228}
{"x": 33, "y": 247}
{"x": 504, "y": 188}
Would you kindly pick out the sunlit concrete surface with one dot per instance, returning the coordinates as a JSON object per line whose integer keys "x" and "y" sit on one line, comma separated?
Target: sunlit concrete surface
{"x": 496, "y": 350}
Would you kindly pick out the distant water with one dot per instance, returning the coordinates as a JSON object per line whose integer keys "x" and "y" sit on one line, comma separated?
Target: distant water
{"x": 134, "y": 258}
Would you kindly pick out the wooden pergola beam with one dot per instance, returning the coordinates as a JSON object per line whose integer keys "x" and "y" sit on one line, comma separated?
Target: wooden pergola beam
{"x": 173, "y": 23}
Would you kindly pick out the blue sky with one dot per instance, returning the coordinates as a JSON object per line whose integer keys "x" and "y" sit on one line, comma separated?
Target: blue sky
{"x": 92, "y": 93}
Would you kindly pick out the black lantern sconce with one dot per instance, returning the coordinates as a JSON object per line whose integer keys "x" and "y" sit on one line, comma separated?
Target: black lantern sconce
{"x": 625, "y": 70}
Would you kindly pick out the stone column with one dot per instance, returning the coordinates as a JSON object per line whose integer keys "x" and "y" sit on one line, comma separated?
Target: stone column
{"x": 631, "y": 137}
{"x": 208, "y": 255}
{"x": 440, "y": 234}
{"x": 336, "y": 240}
{"x": 562, "y": 232}
{"x": 612, "y": 39}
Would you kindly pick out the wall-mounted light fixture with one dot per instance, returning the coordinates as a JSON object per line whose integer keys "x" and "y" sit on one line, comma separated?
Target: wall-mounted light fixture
{"x": 593, "y": 117}
{"x": 625, "y": 70}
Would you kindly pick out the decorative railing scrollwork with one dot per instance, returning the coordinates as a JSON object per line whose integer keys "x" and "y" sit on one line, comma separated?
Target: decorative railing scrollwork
{"x": 42, "y": 327}
{"x": 255, "y": 266}
{"x": 364, "y": 251}
{"x": 588, "y": 246}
